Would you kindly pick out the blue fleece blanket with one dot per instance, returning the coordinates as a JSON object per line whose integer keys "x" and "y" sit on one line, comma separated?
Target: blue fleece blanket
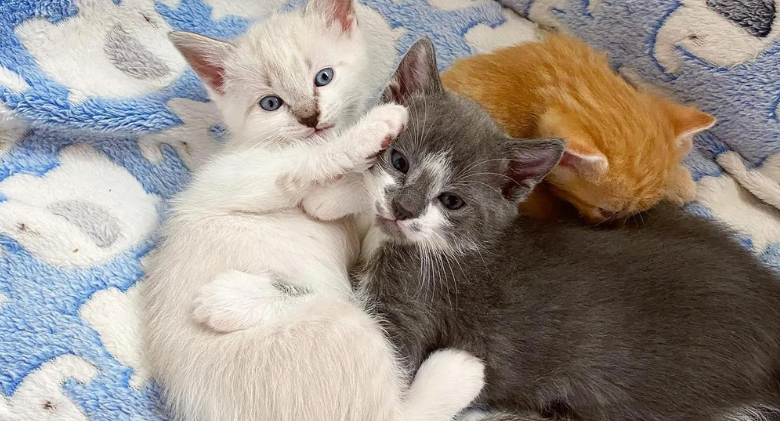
{"x": 100, "y": 123}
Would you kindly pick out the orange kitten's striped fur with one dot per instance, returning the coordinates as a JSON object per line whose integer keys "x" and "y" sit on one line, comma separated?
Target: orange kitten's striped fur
{"x": 623, "y": 147}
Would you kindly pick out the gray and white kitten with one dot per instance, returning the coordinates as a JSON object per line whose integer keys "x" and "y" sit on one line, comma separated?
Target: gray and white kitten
{"x": 670, "y": 321}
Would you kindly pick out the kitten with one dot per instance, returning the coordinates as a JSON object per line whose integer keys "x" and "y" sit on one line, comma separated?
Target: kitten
{"x": 250, "y": 313}
{"x": 673, "y": 321}
{"x": 624, "y": 147}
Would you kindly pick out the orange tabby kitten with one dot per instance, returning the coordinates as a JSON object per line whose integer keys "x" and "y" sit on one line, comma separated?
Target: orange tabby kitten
{"x": 624, "y": 147}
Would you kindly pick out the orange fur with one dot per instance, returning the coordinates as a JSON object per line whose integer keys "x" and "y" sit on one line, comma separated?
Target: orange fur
{"x": 624, "y": 147}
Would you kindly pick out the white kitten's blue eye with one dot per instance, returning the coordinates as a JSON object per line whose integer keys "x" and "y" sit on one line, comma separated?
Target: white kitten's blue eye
{"x": 271, "y": 103}
{"x": 323, "y": 77}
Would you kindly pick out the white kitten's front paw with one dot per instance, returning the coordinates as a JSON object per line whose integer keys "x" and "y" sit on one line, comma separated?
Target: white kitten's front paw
{"x": 235, "y": 300}
{"x": 388, "y": 118}
{"x": 449, "y": 378}
{"x": 322, "y": 203}
{"x": 381, "y": 125}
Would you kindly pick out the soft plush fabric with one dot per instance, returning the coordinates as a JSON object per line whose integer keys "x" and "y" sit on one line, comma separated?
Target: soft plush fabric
{"x": 100, "y": 122}
{"x": 720, "y": 55}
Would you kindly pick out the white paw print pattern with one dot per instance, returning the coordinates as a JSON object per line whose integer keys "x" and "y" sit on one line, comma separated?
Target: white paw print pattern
{"x": 709, "y": 35}
{"x": 12, "y": 129}
{"x": 543, "y": 11}
{"x": 516, "y": 30}
{"x": 247, "y": 9}
{"x": 84, "y": 212}
{"x": 117, "y": 317}
{"x": 123, "y": 49}
{"x": 740, "y": 210}
{"x": 192, "y": 140}
{"x": 40, "y": 396}
{"x": 761, "y": 181}
{"x": 12, "y": 81}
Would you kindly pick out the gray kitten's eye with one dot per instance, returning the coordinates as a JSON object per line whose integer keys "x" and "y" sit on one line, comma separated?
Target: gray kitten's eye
{"x": 271, "y": 103}
{"x": 451, "y": 201}
{"x": 399, "y": 161}
{"x": 323, "y": 77}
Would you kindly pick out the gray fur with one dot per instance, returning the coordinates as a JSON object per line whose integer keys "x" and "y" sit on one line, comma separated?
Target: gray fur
{"x": 754, "y": 16}
{"x": 92, "y": 219}
{"x": 131, "y": 57}
{"x": 669, "y": 321}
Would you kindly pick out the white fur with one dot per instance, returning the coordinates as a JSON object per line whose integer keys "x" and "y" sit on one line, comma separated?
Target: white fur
{"x": 250, "y": 313}
{"x": 752, "y": 413}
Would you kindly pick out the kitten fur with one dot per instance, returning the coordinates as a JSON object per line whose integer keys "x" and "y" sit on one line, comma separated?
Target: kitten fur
{"x": 670, "y": 321}
{"x": 250, "y": 314}
{"x": 624, "y": 147}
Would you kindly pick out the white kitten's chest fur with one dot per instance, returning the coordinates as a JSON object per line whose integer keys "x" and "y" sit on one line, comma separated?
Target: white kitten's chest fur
{"x": 312, "y": 254}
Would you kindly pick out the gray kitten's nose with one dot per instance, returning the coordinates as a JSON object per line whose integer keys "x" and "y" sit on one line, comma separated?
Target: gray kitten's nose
{"x": 400, "y": 212}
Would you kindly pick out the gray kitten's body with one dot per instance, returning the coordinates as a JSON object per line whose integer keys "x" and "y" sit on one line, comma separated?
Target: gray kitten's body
{"x": 670, "y": 321}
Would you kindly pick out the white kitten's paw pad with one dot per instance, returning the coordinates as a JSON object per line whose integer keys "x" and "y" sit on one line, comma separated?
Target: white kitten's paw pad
{"x": 234, "y": 301}
{"x": 381, "y": 126}
{"x": 388, "y": 120}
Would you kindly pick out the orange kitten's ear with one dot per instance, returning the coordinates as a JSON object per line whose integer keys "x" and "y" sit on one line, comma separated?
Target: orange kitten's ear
{"x": 583, "y": 158}
{"x": 680, "y": 188}
{"x": 581, "y": 155}
{"x": 205, "y": 55}
{"x": 687, "y": 121}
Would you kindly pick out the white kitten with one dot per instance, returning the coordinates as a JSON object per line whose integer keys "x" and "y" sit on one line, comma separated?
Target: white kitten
{"x": 250, "y": 314}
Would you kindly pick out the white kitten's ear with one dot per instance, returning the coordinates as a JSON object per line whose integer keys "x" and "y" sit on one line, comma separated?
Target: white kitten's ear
{"x": 527, "y": 163}
{"x": 205, "y": 55}
{"x": 341, "y": 11}
{"x": 416, "y": 73}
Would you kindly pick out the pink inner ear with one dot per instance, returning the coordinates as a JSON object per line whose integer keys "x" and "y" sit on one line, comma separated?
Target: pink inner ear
{"x": 210, "y": 73}
{"x": 520, "y": 172}
{"x": 583, "y": 163}
{"x": 343, "y": 12}
{"x": 346, "y": 23}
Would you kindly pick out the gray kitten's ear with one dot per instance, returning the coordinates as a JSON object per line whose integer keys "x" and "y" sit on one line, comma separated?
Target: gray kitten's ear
{"x": 205, "y": 55}
{"x": 341, "y": 11}
{"x": 527, "y": 163}
{"x": 416, "y": 73}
